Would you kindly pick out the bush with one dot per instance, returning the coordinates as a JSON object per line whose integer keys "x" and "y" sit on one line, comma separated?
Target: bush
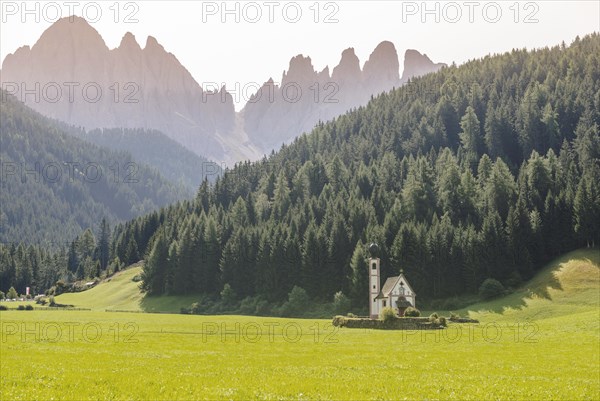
{"x": 388, "y": 315}
{"x": 21, "y": 307}
{"x": 341, "y": 303}
{"x": 351, "y": 315}
{"x": 443, "y": 322}
{"x": 2, "y": 296}
{"x": 248, "y": 305}
{"x": 454, "y": 316}
{"x": 137, "y": 278}
{"x": 196, "y": 308}
{"x": 298, "y": 302}
{"x": 433, "y": 317}
{"x": 51, "y": 300}
{"x": 28, "y": 307}
{"x": 228, "y": 296}
{"x": 262, "y": 308}
{"x": 514, "y": 280}
{"x": 2, "y": 307}
{"x": 12, "y": 293}
{"x": 412, "y": 312}
{"x": 451, "y": 303}
{"x": 491, "y": 288}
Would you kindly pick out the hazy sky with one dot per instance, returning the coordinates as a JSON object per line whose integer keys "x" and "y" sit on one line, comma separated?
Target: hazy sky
{"x": 215, "y": 47}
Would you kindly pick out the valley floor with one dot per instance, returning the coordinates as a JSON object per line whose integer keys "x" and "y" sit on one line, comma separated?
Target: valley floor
{"x": 544, "y": 346}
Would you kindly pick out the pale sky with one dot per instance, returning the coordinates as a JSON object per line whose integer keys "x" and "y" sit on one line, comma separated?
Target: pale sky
{"x": 246, "y": 52}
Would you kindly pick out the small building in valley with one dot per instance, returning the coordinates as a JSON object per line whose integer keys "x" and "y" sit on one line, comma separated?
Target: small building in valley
{"x": 395, "y": 293}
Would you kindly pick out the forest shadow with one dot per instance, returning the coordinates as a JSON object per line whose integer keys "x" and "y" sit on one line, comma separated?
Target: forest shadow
{"x": 538, "y": 287}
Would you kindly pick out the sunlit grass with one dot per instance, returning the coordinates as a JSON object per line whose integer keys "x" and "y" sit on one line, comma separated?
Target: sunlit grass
{"x": 537, "y": 350}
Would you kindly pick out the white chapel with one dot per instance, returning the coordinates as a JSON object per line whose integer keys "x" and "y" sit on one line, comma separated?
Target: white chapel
{"x": 395, "y": 293}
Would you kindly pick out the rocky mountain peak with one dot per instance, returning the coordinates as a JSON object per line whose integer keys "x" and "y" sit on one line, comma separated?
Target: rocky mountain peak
{"x": 129, "y": 43}
{"x": 348, "y": 69}
{"x": 417, "y": 64}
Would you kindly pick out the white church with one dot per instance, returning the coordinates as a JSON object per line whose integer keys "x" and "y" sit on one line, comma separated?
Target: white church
{"x": 395, "y": 293}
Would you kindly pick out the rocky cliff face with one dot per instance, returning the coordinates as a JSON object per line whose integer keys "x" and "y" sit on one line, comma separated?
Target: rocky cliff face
{"x": 417, "y": 64}
{"x": 279, "y": 119}
{"x": 84, "y": 83}
{"x": 76, "y": 78}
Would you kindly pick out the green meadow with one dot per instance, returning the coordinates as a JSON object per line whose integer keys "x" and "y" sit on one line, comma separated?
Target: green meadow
{"x": 540, "y": 343}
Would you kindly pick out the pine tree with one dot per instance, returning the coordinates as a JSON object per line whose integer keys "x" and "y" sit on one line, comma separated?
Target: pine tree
{"x": 104, "y": 244}
{"x": 154, "y": 271}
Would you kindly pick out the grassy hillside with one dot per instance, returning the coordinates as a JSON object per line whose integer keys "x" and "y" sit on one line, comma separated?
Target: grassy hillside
{"x": 568, "y": 285}
{"x": 121, "y": 293}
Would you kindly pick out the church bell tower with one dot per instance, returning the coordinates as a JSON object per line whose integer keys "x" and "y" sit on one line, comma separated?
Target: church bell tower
{"x": 374, "y": 281}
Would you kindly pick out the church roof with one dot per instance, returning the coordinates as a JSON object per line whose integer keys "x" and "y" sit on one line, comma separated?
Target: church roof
{"x": 389, "y": 285}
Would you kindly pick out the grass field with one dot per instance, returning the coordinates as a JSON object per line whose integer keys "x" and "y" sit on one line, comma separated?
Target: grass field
{"x": 540, "y": 343}
{"x": 121, "y": 293}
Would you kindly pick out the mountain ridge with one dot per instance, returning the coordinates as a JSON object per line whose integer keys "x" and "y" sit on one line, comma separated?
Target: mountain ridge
{"x": 149, "y": 88}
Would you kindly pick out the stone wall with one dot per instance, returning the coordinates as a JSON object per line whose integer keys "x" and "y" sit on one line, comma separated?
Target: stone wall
{"x": 401, "y": 323}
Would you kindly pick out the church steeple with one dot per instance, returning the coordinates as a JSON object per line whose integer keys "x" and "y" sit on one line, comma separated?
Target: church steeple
{"x": 374, "y": 280}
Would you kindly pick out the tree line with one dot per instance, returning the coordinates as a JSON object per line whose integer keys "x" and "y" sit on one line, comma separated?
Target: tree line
{"x": 488, "y": 170}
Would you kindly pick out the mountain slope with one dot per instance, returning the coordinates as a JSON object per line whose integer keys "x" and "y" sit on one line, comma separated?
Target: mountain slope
{"x": 175, "y": 162}
{"x": 55, "y": 185}
{"x": 489, "y": 170}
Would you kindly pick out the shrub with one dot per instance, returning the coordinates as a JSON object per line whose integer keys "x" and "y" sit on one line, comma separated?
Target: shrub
{"x": 491, "y": 288}
{"x": 454, "y": 316}
{"x": 21, "y": 307}
{"x": 388, "y": 315}
{"x": 137, "y": 278}
{"x": 298, "y": 302}
{"x": 228, "y": 296}
{"x": 451, "y": 303}
{"x": 442, "y": 321}
{"x": 195, "y": 308}
{"x": 28, "y": 307}
{"x": 262, "y": 308}
{"x": 341, "y": 303}
{"x": 412, "y": 312}
{"x": 3, "y": 307}
{"x": 433, "y": 317}
{"x": 2, "y": 296}
{"x": 514, "y": 280}
{"x": 12, "y": 293}
{"x": 352, "y": 315}
{"x": 248, "y": 305}
{"x": 51, "y": 300}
